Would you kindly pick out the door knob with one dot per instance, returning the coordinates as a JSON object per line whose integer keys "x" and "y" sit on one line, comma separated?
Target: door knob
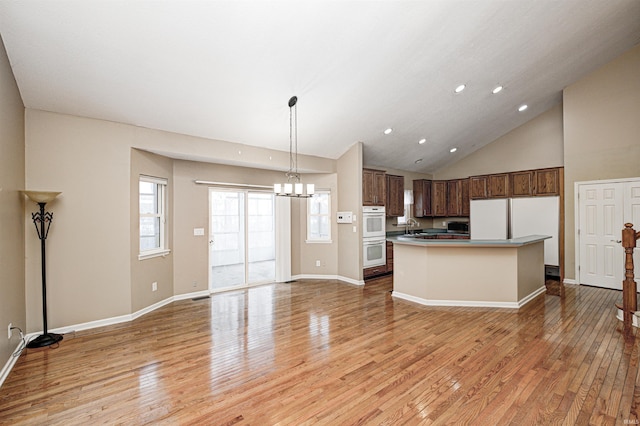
{"x": 616, "y": 241}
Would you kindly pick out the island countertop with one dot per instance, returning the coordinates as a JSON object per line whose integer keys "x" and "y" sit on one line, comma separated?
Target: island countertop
{"x": 483, "y": 273}
{"x": 512, "y": 242}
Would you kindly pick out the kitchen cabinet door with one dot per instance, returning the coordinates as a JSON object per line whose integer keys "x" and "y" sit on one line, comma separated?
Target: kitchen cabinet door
{"x": 389, "y": 257}
{"x": 465, "y": 210}
{"x": 547, "y": 182}
{"x": 421, "y": 198}
{"x": 439, "y": 198}
{"x": 454, "y": 198}
{"x": 522, "y": 183}
{"x": 498, "y": 185}
{"x": 478, "y": 188}
{"x": 373, "y": 187}
{"x": 373, "y": 271}
{"x": 395, "y": 196}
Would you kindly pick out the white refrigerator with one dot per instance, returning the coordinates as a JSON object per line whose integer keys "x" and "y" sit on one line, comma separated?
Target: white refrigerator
{"x": 505, "y": 218}
{"x": 489, "y": 219}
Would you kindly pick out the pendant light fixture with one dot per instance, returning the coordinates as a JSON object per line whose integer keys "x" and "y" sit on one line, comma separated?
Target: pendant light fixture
{"x": 293, "y": 187}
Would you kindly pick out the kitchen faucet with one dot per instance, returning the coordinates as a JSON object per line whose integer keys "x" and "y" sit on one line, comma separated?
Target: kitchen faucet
{"x": 410, "y": 223}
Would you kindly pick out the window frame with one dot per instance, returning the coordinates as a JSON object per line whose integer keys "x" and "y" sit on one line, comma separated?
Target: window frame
{"x": 162, "y": 205}
{"x": 325, "y": 240}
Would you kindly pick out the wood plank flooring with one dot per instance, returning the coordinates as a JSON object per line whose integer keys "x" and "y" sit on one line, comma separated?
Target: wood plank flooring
{"x": 328, "y": 353}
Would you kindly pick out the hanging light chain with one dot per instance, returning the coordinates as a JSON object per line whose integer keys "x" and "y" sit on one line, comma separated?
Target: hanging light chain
{"x": 294, "y": 189}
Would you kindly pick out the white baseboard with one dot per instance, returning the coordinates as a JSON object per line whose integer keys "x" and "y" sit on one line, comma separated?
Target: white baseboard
{"x": 470, "y": 303}
{"x": 531, "y": 296}
{"x": 569, "y": 281}
{"x": 8, "y": 366}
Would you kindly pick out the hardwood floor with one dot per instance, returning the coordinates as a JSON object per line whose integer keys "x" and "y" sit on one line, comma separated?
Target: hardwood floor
{"x": 324, "y": 352}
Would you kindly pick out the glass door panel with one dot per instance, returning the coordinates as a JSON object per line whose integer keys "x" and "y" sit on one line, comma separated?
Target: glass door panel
{"x": 261, "y": 253}
{"x": 242, "y": 238}
{"x": 227, "y": 237}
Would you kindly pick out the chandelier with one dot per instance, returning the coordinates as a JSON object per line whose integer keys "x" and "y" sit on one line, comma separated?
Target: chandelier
{"x": 293, "y": 187}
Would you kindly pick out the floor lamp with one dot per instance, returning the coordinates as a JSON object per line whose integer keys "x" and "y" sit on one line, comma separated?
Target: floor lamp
{"x": 42, "y": 221}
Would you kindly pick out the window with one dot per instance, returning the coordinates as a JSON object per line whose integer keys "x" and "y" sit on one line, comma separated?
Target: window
{"x": 152, "y": 200}
{"x": 408, "y": 203}
{"x": 319, "y": 217}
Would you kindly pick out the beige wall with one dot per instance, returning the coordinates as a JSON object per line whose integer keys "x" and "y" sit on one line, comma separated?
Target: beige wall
{"x": 157, "y": 269}
{"x": 191, "y": 210}
{"x": 12, "y": 208}
{"x": 350, "y": 199}
{"x": 304, "y": 255}
{"x": 601, "y": 133}
{"x": 88, "y": 264}
{"x": 536, "y": 144}
{"x": 93, "y": 267}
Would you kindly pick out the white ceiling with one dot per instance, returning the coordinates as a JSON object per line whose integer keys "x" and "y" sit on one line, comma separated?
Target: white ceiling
{"x": 226, "y": 69}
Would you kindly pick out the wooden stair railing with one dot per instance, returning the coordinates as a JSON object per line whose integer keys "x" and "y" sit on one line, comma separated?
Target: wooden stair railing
{"x": 629, "y": 289}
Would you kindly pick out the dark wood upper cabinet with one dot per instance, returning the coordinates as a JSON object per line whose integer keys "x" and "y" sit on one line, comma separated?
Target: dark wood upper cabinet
{"x": 373, "y": 187}
{"x": 465, "y": 210}
{"x": 522, "y": 184}
{"x": 421, "y": 198}
{"x": 439, "y": 198}
{"x": 547, "y": 182}
{"x": 458, "y": 203}
{"x": 454, "y": 198}
{"x": 395, "y": 196}
{"x": 498, "y": 185}
{"x": 478, "y": 189}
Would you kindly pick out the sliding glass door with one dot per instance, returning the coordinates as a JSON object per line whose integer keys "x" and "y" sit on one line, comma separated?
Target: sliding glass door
{"x": 242, "y": 238}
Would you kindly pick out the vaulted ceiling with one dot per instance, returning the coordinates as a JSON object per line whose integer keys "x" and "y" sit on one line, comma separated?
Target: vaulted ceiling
{"x": 225, "y": 70}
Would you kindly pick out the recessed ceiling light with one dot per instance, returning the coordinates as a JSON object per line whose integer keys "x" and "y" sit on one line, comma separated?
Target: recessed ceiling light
{"x": 453, "y": 149}
{"x": 418, "y": 161}
{"x": 387, "y": 131}
{"x": 421, "y": 141}
{"x": 522, "y": 107}
{"x": 460, "y": 88}
{"x": 497, "y": 89}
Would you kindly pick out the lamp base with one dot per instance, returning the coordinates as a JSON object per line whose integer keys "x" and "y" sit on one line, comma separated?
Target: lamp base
{"x": 44, "y": 340}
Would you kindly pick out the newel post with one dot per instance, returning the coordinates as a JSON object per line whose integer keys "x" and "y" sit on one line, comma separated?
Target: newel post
{"x": 629, "y": 290}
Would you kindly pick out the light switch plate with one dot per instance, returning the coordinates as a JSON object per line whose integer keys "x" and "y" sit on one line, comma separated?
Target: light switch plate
{"x": 198, "y": 232}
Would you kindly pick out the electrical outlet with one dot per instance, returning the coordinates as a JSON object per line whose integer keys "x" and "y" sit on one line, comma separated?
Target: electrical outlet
{"x": 195, "y": 284}
{"x": 154, "y": 286}
{"x": 9, "y": 331}
{"x": 317, "y": 263}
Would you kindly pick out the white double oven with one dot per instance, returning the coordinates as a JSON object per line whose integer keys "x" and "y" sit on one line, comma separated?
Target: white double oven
{"x": 374, "y": 248}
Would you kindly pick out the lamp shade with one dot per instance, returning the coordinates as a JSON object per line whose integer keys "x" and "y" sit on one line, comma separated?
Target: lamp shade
{"x": 41, "y": 196}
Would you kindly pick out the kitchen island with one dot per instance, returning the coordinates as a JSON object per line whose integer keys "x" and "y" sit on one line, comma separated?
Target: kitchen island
{"x": 487, "y": 273}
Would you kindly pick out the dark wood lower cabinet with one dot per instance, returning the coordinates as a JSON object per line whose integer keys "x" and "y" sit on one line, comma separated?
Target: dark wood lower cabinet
{"x": 373, "y": 271}
{"x": 389, "y": 256}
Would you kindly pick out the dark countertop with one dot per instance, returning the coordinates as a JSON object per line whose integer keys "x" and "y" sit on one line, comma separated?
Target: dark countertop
{"x": 427, "y": 231}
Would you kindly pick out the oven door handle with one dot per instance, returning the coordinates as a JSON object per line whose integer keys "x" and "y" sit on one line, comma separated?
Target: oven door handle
{"x": 373, "y": 243}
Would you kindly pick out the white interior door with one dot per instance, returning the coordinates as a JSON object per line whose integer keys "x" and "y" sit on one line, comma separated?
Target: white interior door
{"x": 601, "y": 219}
{"x": 632, "y": 215}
